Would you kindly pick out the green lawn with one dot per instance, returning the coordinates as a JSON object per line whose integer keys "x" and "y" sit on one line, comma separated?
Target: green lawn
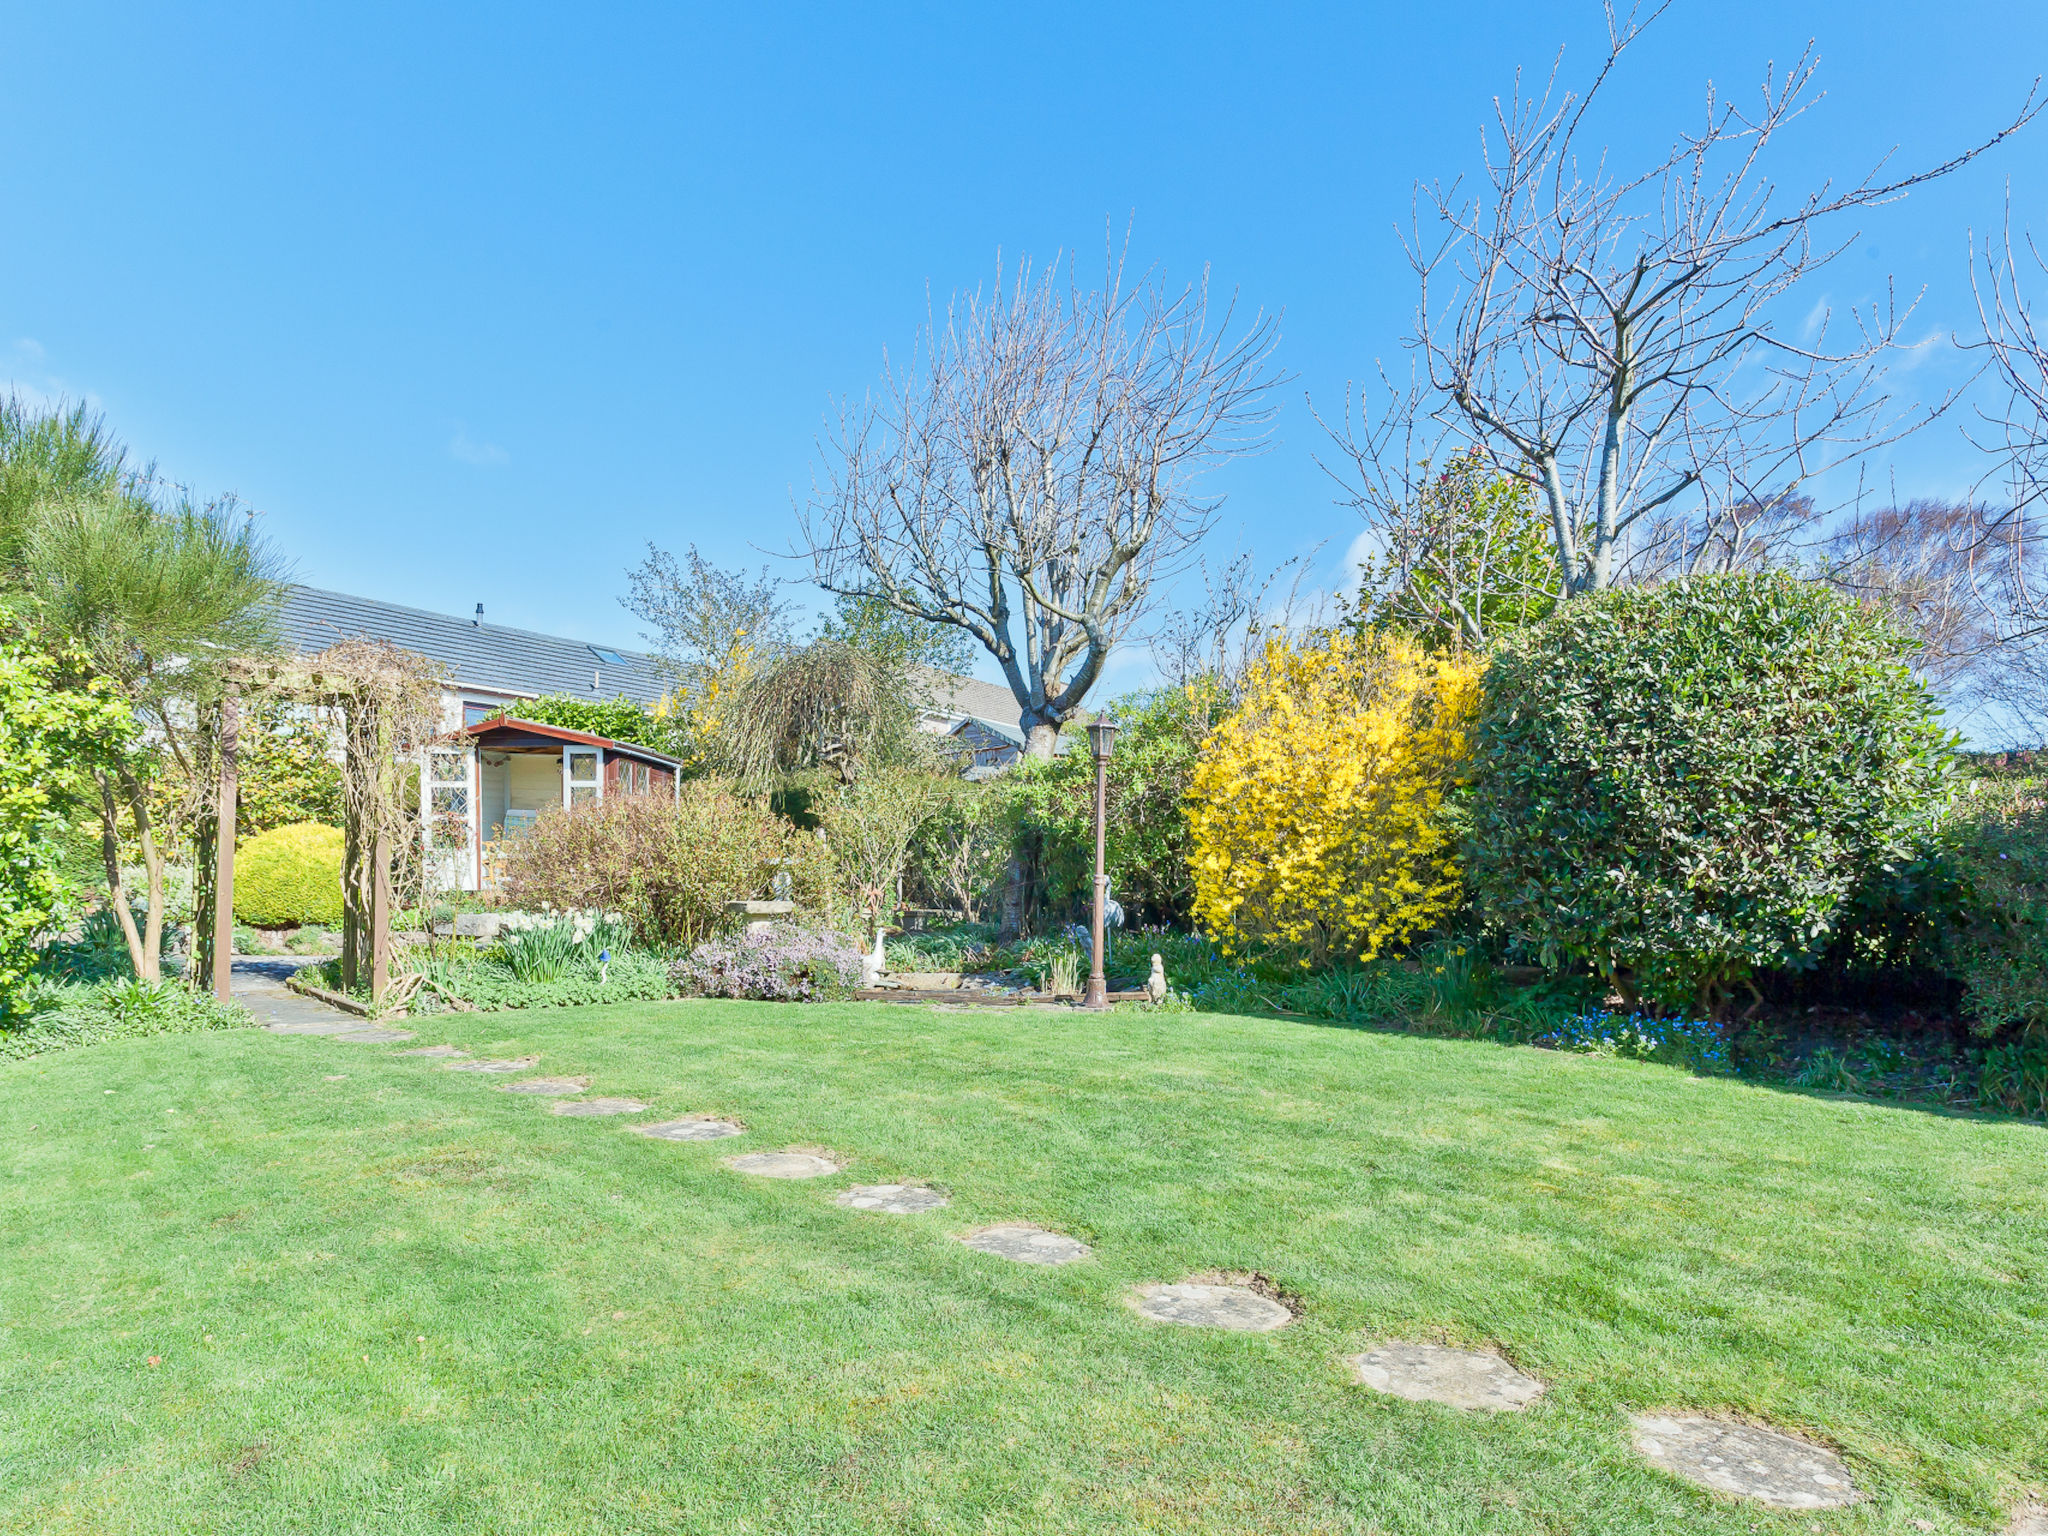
{"x": 406, "y": 1301}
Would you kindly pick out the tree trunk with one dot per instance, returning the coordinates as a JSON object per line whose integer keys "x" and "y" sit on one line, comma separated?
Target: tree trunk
{"x": 1012, "y": 925}
{"x": 117, "y": 889}
{"x": 1040, "y": 738}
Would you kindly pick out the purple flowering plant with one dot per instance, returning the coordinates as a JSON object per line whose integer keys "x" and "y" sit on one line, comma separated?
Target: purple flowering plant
{"x": 785, "y": 964}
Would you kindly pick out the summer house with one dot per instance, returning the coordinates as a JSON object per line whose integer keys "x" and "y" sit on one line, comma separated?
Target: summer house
{"x": 490, "y": 781}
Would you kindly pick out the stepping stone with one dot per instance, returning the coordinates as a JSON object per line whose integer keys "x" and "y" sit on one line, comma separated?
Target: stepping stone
{"x": 590, "y": 1108}
{"x": 524, "y": 1064}
{"x": 2029, "y": 1520}
{"x": 893, "y": 1199}
{"x": 548, "y": 1085}
{"x": 782, "y": 1165}
{"x": 1429, "y": 1373}
{"x": 316, "y": 1027}
{"x": 696, "y": 1128}
{"x": 1236, "y": 1307}
{"x": 375, "y": 1036}
{"x": 433, "y": 1050}
{"x": 1752, "y": 1463}
{"x": 1027, "y": 1244}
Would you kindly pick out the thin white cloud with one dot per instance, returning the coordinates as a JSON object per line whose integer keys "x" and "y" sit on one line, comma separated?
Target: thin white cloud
{"x": 25, "y": 374}
{"x": 468, "y": 450}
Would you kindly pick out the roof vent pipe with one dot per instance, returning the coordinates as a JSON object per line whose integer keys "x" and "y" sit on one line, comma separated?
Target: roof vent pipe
{"x": 477, "y": 622}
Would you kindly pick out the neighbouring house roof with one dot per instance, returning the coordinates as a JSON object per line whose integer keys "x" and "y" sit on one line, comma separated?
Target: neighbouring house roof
{"x": 485, "y": 657}
{"x": 969, "y": 698}
{"x": 508, "y": 733}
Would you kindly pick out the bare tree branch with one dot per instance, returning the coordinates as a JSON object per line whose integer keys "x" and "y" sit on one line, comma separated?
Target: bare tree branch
{"x": 1617, "y": 340}
{"x": 1032, "y": 475}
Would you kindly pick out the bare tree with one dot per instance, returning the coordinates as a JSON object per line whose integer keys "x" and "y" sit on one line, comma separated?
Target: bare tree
{"x": 704, "y": 620}
{"x": 1616, "y": 338}
{"x": 1031, "y": 475}
{"x": 1217, "y": 639}
{"x": 2018, "y": 437}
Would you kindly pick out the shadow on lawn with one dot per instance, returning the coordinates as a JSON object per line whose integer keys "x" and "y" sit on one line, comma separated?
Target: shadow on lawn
{"x": 1836, "y": 1055}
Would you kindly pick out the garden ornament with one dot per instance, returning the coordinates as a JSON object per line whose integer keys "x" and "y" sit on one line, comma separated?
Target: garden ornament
{"x": 1155, "y": 984}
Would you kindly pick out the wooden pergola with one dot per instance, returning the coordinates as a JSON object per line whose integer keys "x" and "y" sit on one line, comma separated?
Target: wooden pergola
{"x": 388, "y": 700}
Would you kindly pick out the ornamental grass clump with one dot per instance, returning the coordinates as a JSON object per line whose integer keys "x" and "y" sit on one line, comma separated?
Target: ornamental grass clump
{"x": 1679, "y": 786}
{"x": 1316, "y": 816}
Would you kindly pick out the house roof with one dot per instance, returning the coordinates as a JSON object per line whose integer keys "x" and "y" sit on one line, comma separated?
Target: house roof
{"x": 969, "y": 698}
{"x": 490, "y": 658}
{"x": 509, "y": 732}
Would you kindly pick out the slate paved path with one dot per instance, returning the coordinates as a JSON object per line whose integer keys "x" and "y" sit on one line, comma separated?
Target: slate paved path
{"x": 259, "y": 986}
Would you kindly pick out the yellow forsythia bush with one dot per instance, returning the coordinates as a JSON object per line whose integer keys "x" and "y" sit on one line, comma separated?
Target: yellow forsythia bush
{"x": 1316, "y": 811}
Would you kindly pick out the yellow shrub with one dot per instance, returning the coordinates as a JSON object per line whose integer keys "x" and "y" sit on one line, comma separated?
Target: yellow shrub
{"x": 290, "y": 875}
{"x": 1316, "y": 812}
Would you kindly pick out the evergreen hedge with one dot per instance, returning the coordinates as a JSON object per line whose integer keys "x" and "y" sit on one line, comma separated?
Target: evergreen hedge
{"x": 1681, "y": 785}
{"x": 290, "y": 875}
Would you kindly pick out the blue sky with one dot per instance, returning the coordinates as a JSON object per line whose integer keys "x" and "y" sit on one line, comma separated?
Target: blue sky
{"x": 472, "y": 302}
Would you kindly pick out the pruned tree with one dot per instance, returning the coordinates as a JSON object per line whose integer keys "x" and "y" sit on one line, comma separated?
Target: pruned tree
{"x": 703, "y": 621}
{"x": 1210, "y": 644}
{"x": 2009, "y": 543}
{"x": 1032, "y": 474}
{"x": 1459, "y": 558}
{"x": 158, "y": 593}
{"x": 1624, "y": 340}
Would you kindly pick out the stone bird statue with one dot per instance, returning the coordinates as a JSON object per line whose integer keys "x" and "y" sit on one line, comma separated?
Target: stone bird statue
{"x": 1155, "y": 984}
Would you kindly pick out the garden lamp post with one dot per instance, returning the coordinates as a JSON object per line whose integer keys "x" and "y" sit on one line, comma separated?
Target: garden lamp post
{"x": 1102, "y": 737}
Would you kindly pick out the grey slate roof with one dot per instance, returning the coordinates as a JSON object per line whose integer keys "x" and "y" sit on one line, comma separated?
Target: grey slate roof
{"x": 970, "y": 698}
{"x": 491, "y": 658}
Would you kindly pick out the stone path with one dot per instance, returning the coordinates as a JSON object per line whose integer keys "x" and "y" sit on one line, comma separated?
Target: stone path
{"x": 589, "y": 1109}
{"x": 1741, "y": 1459}
{"x": 1768, "y": 1466}
{"x": 259, "y": 986}
{"x": 783, "y": 1165}
{"x": 694, "y": 1128}
{"x": 2029, "y": 1520}
{"x": 892, "y": 1199}
{"x": 1196, "y": 1305}
{"x": 1430, "y": 1373}
{"x": 1027, "y": 1244}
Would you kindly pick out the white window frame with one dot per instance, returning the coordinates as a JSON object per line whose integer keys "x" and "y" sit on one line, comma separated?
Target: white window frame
{"x": 595, "y": 783}
{"x": 471, "y": 789}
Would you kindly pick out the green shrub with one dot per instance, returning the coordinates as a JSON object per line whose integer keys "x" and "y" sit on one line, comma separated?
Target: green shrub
{"x": 290, "y": 875}
{"x": 668, "y": 866}
{"x": 99, "y": 953}
{"x": 1053, "y": 803}
{"x": 48, "y": 726}
{"x": 1682, "y": 785}
{"x": 616, "y": 719}
{"x": 483, "y": 980}
{"x": 1996, "y": 930}
{"x": 2015, "y": 1076}
{"x": 91, "y": 1014}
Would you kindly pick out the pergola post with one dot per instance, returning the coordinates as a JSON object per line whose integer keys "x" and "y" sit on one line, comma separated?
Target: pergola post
{"x": 224, "y": 848}
{"x": 380, "y": 916}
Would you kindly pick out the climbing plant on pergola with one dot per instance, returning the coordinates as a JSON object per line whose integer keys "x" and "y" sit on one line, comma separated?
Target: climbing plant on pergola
{"x": 389, "y": 704}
